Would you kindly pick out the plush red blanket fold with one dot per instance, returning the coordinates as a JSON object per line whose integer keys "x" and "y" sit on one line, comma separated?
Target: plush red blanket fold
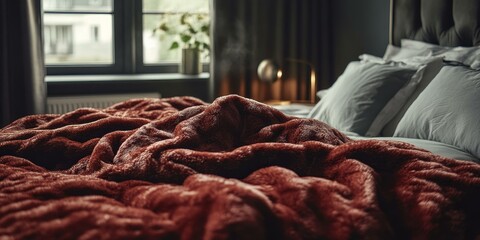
{"x": 235, "y": 169}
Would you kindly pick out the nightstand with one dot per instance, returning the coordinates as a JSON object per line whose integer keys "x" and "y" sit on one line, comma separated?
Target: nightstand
{"x": 296, "y": 109}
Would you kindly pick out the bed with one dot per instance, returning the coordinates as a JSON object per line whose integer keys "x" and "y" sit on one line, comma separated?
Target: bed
{"x": 180, "y": 168}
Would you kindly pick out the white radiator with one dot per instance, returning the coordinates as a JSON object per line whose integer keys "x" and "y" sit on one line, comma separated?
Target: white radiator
{"x": 65, "y": 104}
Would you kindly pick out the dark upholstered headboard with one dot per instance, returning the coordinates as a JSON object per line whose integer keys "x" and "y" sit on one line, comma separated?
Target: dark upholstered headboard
{"x": 442, "y": 22}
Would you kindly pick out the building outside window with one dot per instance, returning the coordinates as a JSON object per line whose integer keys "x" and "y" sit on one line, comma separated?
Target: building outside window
{"x": 58, "y": 40}
{"x": 113, "y": 36}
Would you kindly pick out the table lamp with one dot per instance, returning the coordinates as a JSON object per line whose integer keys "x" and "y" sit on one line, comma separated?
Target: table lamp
{"x": 270, "y": 71}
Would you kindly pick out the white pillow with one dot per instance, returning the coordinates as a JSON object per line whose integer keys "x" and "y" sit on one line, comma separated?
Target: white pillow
{"x": 367, "y": 95}
{"x": 447, "y": 111}
{"x": 394, "y": 53}
{"x": 321, "y": 94}
{"x": 469, "y": 56}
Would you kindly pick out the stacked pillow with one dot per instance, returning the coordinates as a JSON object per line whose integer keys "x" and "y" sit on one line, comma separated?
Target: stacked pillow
{"x": 420, "y": 91}
{"x": 448, "y": 109}
{"x": 370, "y": 93}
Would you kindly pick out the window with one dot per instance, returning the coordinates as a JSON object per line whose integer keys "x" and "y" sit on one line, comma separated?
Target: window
{"x": 117, "y": 36}
{"x": 157, "y": 44}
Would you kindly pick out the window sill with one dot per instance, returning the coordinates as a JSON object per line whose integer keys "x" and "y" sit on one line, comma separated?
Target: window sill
{"x": 125, "y": 77}
{"x": 168, "y": 84}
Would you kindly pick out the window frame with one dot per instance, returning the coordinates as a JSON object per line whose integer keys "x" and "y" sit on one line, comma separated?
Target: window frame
{"x": 127, "y": 46}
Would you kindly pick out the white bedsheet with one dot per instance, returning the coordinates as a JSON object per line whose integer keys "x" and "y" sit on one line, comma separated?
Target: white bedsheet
{"x": 295, "y": 109}
{"x": 438, "y": 148}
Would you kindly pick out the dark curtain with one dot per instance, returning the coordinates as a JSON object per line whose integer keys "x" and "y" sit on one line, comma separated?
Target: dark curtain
{"x": 21, "y": 65}
{"x": 244, "y": 32}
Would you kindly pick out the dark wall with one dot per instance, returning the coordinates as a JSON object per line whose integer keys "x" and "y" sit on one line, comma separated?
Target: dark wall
{"x": 359, "y": 26}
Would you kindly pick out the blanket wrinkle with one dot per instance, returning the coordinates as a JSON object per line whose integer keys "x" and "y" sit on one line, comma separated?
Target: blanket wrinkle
{"x": 179, "y": 168}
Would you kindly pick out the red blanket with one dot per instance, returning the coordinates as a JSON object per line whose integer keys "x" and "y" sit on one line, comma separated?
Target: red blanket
{"x": 235, "y": 169}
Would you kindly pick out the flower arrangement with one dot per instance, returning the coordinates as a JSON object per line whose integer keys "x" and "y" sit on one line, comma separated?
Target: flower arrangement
{"x": 191, "y": 30}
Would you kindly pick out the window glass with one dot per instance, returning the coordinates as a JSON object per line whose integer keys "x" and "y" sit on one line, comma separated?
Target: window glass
{"x": 169, "y": 26}
{"x": 176, "y": 6}
{"x": 78, "y": 5}
{"x": 78, "y": 39}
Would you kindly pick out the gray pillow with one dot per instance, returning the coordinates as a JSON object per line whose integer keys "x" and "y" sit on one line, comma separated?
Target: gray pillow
{"x": 359, "y": 96}
{"x": 431, "y": 70}
{"x": 447, "y": 111}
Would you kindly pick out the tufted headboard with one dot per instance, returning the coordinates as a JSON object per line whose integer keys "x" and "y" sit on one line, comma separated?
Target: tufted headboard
{"x": 442, "y": 22}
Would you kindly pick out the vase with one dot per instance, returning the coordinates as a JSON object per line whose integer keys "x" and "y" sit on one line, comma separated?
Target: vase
{"x": 191, "y": 64}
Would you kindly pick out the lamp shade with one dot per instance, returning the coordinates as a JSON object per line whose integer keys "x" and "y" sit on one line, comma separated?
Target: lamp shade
{"x": 268, "y": 71}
